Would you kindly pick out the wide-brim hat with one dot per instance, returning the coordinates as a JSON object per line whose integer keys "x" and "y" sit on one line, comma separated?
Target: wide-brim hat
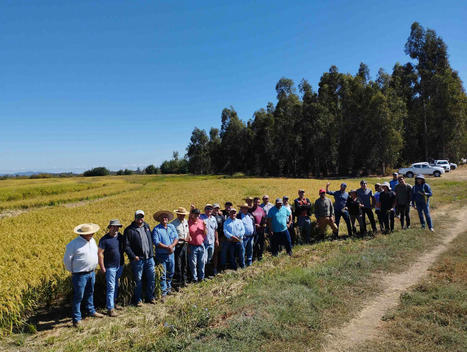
{"x": 86, "y": 229}
{"x": 420, "y": 176}
{"x": 181, "y": 211}
{"x": 114, "y": 222}
{"x": 158, "y": 215}
{"x": 244, "y": 205}
{"x": 386, "y": 184}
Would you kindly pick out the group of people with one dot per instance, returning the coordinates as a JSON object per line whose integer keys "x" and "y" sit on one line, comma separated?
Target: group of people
{"x": 207, "y": 242}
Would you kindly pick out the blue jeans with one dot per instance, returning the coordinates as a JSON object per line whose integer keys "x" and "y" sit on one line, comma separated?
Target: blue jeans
{"x": 208, "y": 252}
{"x": 223, "y": 252}
{"x": 168, "y": 263}
{"x": 424, "y": 208}
{"x": 304, "y": 223}
{"x": 146, "y": 267}
{"x": 281, "y": 238}
{"x": 196, "y": 260}
{"x": 248, "y": 242}
{"x": 237, "y": 251}
{"x": 111, "y": 285}
{"x": 83, "y": 290}
{"x": 345, "y": 215}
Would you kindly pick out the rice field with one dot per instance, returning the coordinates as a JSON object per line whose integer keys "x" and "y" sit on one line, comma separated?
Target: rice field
{"x": 33, "y": 242}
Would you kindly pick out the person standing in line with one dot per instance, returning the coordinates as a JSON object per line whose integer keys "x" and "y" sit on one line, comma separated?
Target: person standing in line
{"x": 324, "y": 212}
{"x": 212, "y": 239}
{"x": 378, "y": 206}
{"x": 220, "y": 235}
{"x": 340, "y": 200}
{"x": 388, "y": 202}
{"x": 234, "y": 230}
{"x": 302, "y": 207}
{"x": 291, "y": 228}
{"x": 394, "y": 182}
{"x": 403, "y": 198}
{"x": 224, "y": 250}
{"x": 248, "y": 238}
{"x": 260, "y": 225}
{"x": 80, "y": 260}
{"x": 138, "y": 247}
{"x": 366, "y": 198}
{"x": 165, "y": 239}
{"x": 181, "y": 249}
{"x": 354, "y": 208}
{"x": 279, "y": 219}
{"x": 198, "y": 232}
{"x": 249, "y": 201}
{"x": 421, "y": 193}
{"x": 111, "y": 261}
{"x": 266, "y": 205}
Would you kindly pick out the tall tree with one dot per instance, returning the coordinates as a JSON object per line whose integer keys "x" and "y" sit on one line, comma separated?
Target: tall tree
{"x": 198, "y": 152}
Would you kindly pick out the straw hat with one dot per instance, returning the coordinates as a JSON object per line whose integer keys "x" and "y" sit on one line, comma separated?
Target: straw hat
{"x": 86, "y": 229}
{"x": 158, "y": 215}
{"x": 181, "y": 211}
{"x": 244, "y": 205}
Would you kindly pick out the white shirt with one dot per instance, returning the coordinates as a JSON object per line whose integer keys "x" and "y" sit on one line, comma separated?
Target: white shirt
{"x": 182, "y": 228}
{"x": 80, "y": 255}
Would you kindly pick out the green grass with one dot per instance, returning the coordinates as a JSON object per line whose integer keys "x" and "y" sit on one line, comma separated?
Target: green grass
{"x": 431, "y": 316}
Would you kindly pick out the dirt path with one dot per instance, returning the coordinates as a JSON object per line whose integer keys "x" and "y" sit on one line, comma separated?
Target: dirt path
{"x": 367, "y": 325}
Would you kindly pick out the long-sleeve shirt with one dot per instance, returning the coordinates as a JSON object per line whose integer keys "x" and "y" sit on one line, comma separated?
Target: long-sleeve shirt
{"x": 163, "y": 235}
{"x": 80, "y": 255}
{"x": 249, "y": 223}
{"x": 323, "y": 207}
{"x": 302, "y": 207}
{"x": 387, "y": 200}
{"x": 340, "y": 198}
{"x": 421, "y": 193}
{"x": 403, "y": 194}
{"x": 211, "y": 226}
{"x": 234, "y": 227}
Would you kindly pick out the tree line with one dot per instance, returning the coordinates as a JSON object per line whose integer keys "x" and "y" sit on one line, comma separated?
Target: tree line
{"x": 351, "y": 125}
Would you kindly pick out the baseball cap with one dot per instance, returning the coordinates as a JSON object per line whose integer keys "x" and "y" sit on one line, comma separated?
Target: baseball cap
{"x": 216, "y": 205}
{"x": 279, "y": 200}
{"x": 322, "y": 190}
{"x": 343, "y": 184}
{"x": 139, "y": 212}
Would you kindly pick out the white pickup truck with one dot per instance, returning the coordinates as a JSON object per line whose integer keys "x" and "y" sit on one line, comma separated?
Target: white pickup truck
{"x": 442, "y": 163}
{"x": 423, "y": 168}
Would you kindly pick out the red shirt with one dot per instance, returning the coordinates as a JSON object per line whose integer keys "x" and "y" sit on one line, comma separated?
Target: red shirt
{"x": 260, "y": 215}
{"x": 196, "y": 229}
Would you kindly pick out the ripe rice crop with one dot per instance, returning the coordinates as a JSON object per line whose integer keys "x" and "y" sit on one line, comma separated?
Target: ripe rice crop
{"x": 33, "y": 243}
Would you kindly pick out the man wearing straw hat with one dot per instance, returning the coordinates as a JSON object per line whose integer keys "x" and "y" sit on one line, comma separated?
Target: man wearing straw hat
{"x": 212, "y": 239}
{"x": 111, "y": 260}
{"x": 138, "y": 247}
{"x": 181, "y": 249}
{"x": 81, "y": 259}
{"x": 165, "y": 238}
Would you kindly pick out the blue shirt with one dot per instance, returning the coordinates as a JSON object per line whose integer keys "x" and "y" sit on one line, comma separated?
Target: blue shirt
{"x": 376, "y": 195}
{"x": 421, "y": 193}
{"x": 234, "y": 227}
{"x": 340, "y": 199}
{"x": 248, "y": 224}
{"x": 163, "y": 235}
{"x": 393, "y": 184}
{"x": 211, "y": 226}
{"x": 113, "y": 250}
{"x": 279, "y": 218}
{"x": 365, "y": 196}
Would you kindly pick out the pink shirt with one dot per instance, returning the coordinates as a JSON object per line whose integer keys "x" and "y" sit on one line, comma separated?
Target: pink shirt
{"x": 196, "y": 229}
{"x": 260, "y": 215}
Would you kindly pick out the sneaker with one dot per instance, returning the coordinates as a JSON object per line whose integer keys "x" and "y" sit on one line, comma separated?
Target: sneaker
{"x": 97, "y": 315}
{"x": 139, "y": 304}
{"x": 112, "y": 313}
{"x": 432, "y": 229}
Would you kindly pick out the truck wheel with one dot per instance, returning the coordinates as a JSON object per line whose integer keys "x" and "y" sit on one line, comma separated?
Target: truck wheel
{"x": 409, "y": 174}
{"x": 436, "y": 174}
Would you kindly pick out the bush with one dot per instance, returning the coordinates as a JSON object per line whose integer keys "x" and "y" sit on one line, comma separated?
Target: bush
{"x": 97, "y": 171}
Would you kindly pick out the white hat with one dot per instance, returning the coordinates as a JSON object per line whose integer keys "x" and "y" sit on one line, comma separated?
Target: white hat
{"x": 386, "y": 184}
{"x": 86, "y": 229}
{"x": 139, "y": 212}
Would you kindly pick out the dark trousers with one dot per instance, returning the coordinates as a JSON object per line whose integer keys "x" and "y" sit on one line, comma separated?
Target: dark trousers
{"x": 388, "y": 218}
{"x": 181, "y": 264}
{"x": 258, "y": 247}
{"x": 368, "y": 212}
{"x": 380, "y": 219}
{"x": 279, "y": 238}
{"x": 357, "y": 217}
{"x": 404, "y": 212}
{"x": 345, "y": 215}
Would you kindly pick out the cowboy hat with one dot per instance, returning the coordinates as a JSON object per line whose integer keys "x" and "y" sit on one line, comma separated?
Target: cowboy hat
{"x": 158, "y": 215}
{"x": 86, "y": 229}
{"x": 181, "y": 211}
{"x": 244, "y": 205}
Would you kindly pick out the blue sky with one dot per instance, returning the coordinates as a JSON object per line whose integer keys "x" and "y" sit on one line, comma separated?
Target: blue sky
{"x": 123, "y": 83}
